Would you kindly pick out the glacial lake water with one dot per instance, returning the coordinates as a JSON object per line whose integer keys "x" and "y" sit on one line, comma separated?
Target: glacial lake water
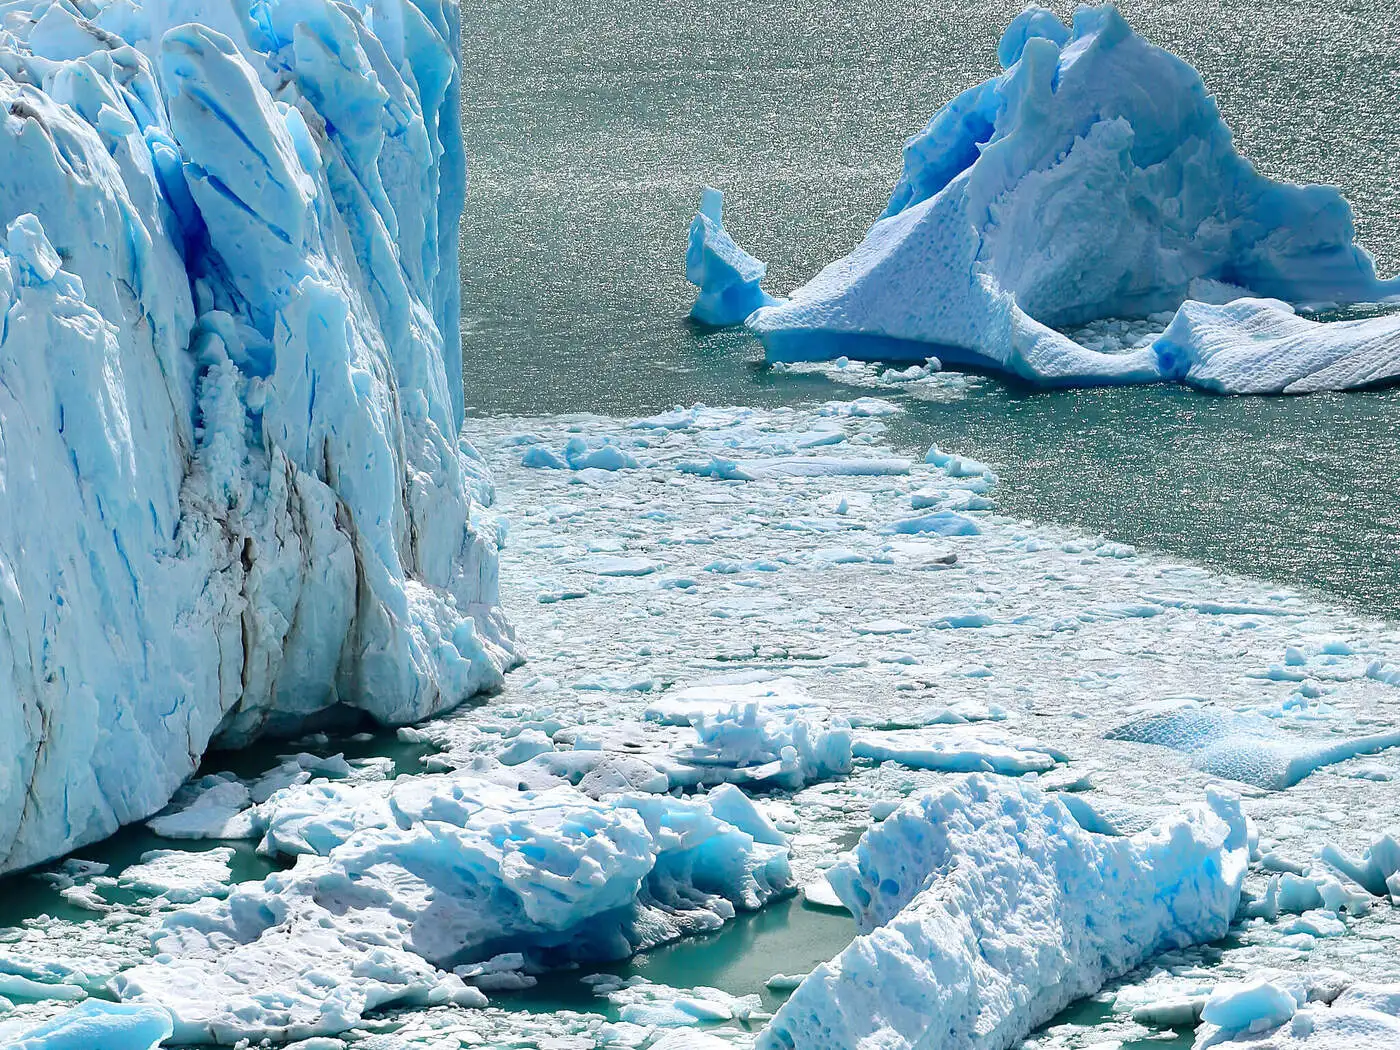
{"x": 591, "y": 128}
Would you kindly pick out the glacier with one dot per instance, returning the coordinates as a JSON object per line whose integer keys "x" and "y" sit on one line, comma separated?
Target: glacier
{"x": 985, "y": 908}
{"x": 1093, "y": 180}
{"x": 235, "y": 492}
{"x": 1264, "y": 1015}
{"x": 728, "y": 277}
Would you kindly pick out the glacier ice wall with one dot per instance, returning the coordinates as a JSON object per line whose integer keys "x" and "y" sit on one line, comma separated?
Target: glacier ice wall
{"x": 1094, "y": 179}
{"x": 234, "y": 491}
{"x": 985, "y": 909}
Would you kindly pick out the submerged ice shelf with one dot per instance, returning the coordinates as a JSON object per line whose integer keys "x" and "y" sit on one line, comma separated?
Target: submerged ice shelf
{"x": 778, "y": 611}
{"x": 1093, "y": 182}
{"x": 235, "y": 492}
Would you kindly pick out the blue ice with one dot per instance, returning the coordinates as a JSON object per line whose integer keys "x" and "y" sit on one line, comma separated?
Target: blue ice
{"x": 1247, "y": 748}
{"x": 1092, "y": 180}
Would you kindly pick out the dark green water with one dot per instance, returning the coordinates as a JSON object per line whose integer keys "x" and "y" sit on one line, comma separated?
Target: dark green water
{"x": 591, "y": 127}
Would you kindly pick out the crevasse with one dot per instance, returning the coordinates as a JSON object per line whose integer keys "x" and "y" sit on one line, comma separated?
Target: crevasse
{"x": 233, "y": 491}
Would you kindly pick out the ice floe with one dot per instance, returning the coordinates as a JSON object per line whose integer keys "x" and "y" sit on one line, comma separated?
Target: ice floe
{"x": 1247, "y": 747}
{"x": 985, "y": 909}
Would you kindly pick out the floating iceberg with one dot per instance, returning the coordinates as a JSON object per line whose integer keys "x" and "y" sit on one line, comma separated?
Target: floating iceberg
{"x": 396, "y": 883}
{"x": 985, "y": 909}
{"x": 1094, "y": 179}
{"x": 235, "y": 494}
{"x": 728, "y": 277}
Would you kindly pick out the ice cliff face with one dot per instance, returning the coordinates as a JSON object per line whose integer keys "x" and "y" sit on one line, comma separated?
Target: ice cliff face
{"x": 1094, "y": 179}
{"x": 234, "y": 494}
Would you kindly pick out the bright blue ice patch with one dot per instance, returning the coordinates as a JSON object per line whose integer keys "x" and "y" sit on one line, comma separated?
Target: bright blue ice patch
{"x": 728, "y": 276}
{"x": 940, "y": 523}
{"x": 98, "y": 1025}
{"x": 1247, "y": 748}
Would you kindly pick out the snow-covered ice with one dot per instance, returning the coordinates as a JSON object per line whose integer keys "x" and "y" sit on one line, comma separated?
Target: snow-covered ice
{"x": 1261, "y": 1015}
{"x": 1257, "y": 346}
{"x": 985, "y": 909}
{"x": 1089, "y": 187}
{"x": 235, "y": 491}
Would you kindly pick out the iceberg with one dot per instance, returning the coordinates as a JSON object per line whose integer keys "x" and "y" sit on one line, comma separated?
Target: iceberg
{"x": 728, "y": 277}
{"x": 396, "y": 884}
{"x": 235, "y": 494}
{"x": 1094, "y": 179}
{"x": 985, "y": 909}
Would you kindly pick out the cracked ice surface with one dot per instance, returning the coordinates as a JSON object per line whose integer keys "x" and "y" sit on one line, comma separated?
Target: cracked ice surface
{"x": 231, "y": 393}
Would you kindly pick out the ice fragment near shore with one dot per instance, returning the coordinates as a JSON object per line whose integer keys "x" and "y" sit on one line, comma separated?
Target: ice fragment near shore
{"x": 985, "y": 909}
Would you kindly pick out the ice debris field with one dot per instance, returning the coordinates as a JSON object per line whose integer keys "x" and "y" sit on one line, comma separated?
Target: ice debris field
{"x": 1034, "y": 765}
{"x": 1048, "y": 217}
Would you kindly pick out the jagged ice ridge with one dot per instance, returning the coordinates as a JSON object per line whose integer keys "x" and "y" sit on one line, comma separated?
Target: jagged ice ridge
{"x": 234, "y": 491}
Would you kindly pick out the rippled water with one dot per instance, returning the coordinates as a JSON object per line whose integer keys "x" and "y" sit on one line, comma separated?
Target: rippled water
{"x": 591, "y": 127}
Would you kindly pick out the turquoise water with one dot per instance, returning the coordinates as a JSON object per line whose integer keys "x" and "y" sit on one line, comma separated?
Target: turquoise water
{"x": 591, "y": 128}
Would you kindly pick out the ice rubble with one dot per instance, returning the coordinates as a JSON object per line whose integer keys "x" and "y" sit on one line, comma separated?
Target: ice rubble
{"x": 985, "y": 909}
{"x": 1094, "y": 179}
{"x": 395, "y": 883}
{"x": 235, "y": 493}
{"x": 1264, "y": 1015}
